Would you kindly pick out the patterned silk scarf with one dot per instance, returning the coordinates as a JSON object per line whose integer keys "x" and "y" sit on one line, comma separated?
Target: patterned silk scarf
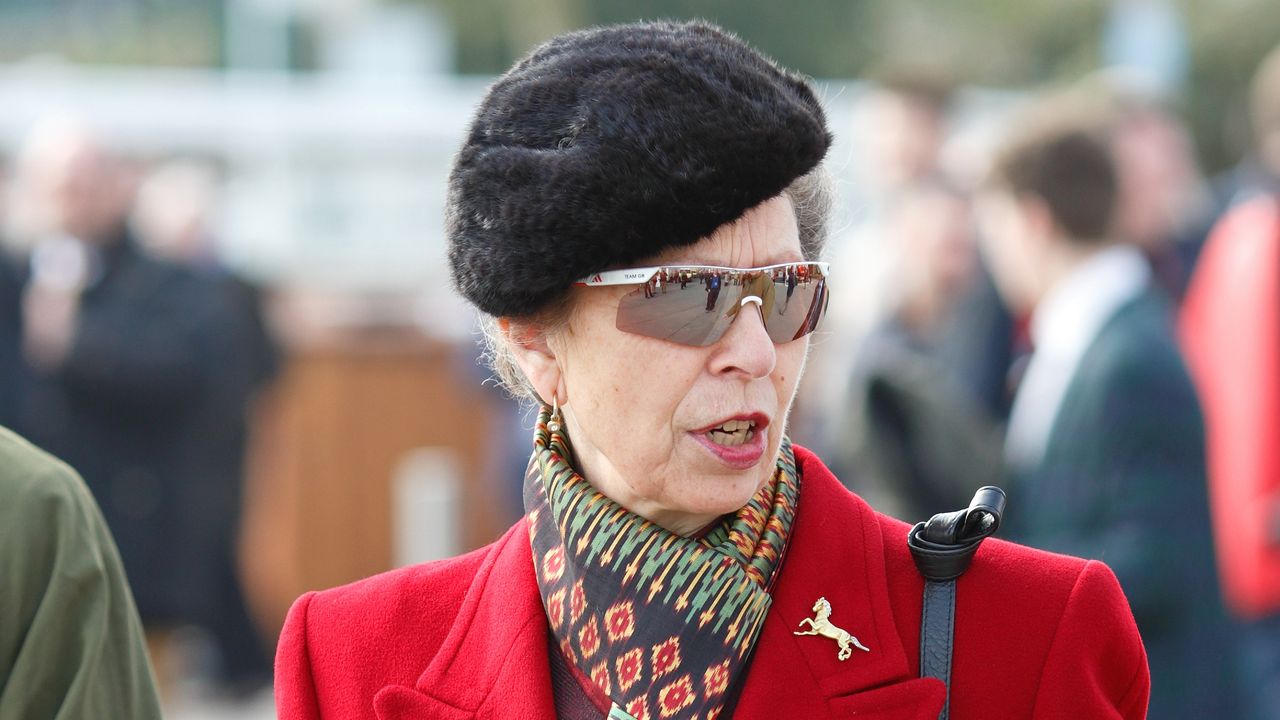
{"x": 661, "y": 624}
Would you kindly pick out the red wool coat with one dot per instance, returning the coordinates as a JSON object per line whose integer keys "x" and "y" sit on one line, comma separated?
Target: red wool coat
{"x": 1037, "y": 635}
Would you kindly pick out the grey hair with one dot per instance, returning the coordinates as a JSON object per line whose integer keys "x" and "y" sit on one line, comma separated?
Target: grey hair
{"x": 812, "y": 196}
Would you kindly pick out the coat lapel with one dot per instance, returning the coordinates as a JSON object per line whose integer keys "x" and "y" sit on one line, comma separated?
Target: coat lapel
{"x": 836, "y": 552}
{"x": 493, "y": 664}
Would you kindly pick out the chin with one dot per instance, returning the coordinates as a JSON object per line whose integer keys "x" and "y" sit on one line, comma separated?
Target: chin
{"x": 731, "y": 499}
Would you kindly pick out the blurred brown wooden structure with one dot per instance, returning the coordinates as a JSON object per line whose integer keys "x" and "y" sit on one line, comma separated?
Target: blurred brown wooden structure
{"x": 329, "y": 435}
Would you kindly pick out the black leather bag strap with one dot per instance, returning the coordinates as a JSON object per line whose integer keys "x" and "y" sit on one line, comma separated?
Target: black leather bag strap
{"x": 942, "y": 549}
{"x": 937, "y": 623}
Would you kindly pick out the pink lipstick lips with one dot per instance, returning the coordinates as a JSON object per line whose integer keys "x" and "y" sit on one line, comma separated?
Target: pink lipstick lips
{"x": 737, "y": 441}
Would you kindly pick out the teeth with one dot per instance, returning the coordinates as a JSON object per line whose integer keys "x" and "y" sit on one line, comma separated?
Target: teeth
{"x": 731, "y": 439}
{"x": 733, "y": 433}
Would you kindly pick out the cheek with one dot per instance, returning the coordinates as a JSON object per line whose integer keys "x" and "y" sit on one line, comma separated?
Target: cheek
{"x": 628, "y": 392}
{"x": 789, "y": 370}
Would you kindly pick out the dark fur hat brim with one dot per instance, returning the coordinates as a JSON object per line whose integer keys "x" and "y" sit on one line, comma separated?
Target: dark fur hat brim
{"x": 609, "y": 145}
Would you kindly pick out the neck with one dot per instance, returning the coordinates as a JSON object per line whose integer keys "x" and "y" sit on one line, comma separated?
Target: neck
{"x": 1062, "y": 258}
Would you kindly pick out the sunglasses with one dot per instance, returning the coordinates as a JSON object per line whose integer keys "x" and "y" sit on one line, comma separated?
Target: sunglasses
{"x": 696, "y": 304}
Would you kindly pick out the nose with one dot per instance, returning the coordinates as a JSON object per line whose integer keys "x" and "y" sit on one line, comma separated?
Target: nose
{"x": 746, "y": 348}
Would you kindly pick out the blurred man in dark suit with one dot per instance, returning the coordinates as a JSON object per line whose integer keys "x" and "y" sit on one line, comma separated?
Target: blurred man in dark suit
{"x": 116, "y": 353}
{"x": 174, "y": 218}
{"x": 1105, "y": 438}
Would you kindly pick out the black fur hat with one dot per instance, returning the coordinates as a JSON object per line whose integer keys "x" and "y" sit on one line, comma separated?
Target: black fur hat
{"x": 608, "y": 145}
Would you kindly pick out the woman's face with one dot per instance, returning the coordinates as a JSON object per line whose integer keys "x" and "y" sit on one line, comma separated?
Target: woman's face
{"x": 640, "y": 411}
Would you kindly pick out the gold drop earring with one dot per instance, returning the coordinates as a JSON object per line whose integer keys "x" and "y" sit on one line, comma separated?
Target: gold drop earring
{"x": 553, "y": 422}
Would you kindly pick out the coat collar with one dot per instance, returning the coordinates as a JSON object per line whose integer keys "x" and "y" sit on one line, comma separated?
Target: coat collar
{"x": 501, "y": 631}
{"x": 836, "y": 552}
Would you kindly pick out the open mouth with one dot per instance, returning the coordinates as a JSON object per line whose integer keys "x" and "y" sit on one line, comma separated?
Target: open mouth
{"x": 733, "y": 433}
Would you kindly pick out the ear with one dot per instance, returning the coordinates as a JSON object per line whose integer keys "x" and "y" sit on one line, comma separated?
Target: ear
{"x": 534, "y": 355}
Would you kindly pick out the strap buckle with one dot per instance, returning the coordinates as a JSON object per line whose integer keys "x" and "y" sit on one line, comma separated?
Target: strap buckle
{"x": 944, "y": 546}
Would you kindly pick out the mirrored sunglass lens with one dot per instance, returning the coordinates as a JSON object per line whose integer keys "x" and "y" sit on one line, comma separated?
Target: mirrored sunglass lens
{"x": 798, "y": 307}
{"x": 696, "y": 307}
{"x": 686, "y": 307}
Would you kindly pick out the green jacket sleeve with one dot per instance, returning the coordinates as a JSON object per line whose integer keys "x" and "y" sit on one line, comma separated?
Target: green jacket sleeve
{"x": 71, "y": 644}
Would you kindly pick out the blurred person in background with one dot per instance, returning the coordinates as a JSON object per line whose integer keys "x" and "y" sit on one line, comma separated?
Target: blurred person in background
{"x": 71, "y": 644}
{"x": 1105, "y": 441}
{"x": 1230, "y": 328}
{"x": 173, "y": 217}
{"x": 1258, "y": 173}
{"x": 902, "y": 126}
{"x": 906, "y": 112}
{"x": 913, "y": 436}
{"x": 679, "y": 557}
{"x": 972, "y": 334}
{"x": 1163, "y": 205}
{"x": 118, "y": 357}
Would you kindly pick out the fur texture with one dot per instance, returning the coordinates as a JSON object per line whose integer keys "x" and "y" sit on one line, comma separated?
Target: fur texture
{"x": 609, "y": 145}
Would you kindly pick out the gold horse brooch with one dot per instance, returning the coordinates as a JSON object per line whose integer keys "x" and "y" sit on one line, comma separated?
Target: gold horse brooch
{"x": 820, "y": 624}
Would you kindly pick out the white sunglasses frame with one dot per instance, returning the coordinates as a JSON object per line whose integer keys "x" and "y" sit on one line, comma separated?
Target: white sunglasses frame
{"x": 640, "y": 276}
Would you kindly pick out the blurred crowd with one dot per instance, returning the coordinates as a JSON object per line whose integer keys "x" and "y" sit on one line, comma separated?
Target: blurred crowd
{"x": 1065, "y": 306}
{"x": 1072, "y": 310}
{"x": 127, "y": 351}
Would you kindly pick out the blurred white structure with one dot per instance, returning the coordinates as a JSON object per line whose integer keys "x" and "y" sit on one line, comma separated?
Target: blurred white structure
{"x": 426, "y": 497}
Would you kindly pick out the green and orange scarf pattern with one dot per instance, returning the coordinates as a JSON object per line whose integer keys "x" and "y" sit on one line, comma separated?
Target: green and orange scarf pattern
{"x": 662, "y": 625}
